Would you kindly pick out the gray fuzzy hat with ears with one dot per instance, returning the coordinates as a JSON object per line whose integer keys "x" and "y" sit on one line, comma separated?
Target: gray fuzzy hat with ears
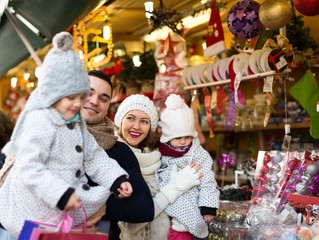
{"x": 62, "y": 74}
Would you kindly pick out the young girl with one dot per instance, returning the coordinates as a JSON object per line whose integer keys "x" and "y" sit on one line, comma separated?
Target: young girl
{"x": 54, "y": 151}
{"x": 180, "y": 146}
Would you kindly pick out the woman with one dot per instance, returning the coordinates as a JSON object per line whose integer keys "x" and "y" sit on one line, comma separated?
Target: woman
{"x": 136, "y": 119}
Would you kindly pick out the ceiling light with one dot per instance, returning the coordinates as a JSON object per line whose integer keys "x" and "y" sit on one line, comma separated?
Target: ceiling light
{"x": 136, "y": 61}
{"x": 198, "y": 19}
{"x": 14, "y": 82}
{"x": 149, "y": 7}
{"x": 26, "y": 76}
{"x": 204, "y": 45}
{"x": 106, "y": 32}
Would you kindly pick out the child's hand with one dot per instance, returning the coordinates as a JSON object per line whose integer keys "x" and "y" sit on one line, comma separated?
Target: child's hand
{"x": 125, "y": 190}
{"x": 73, "y": 202}
{"x": 208, "y": 218}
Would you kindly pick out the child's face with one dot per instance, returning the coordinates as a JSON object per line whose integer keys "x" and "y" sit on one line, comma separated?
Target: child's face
{"x": 70, "y": 105}
{"x": 135, "y": 126}
{"x": 181, "y": 142}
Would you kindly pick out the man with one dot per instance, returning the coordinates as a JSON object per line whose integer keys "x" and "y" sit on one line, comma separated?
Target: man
{"x": 140, "y": 206}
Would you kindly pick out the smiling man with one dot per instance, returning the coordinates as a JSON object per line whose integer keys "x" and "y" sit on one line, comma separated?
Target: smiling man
{"x": 94, "y": 112}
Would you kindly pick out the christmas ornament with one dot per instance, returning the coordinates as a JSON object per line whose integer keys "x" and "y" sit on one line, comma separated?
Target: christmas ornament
{"x": 277, "y": 60}
{"x": 277, "y": 158}
{"x": 307, "y": 7}
{"x": 275, "y": 9}
{"x": 292, "y": 163}
{"x": 243, "y": 19}
{"x": 301, "y": 188}
{"x": 275, "y": 169}
{"x": 273, "y": 179}
{"x": 312, "y": 169}
{"x": 215, "y": 43}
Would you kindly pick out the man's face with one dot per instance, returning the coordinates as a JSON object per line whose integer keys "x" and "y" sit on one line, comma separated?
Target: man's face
{"x": 96, "y": 105}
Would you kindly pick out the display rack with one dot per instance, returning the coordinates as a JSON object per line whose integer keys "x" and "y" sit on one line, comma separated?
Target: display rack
{"x": 245, "y": 78}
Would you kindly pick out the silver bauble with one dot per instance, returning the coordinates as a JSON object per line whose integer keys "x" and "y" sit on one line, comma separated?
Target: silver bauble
{"x": 272, "y": 189}
{"x": 275, "y": 168}
{"x": 305, "y": 178}
{"x": 301, "y": 188}
{"x": 277, "y": 158}
{"x": 312, "y": 169}
{"x": 273, "y": 179}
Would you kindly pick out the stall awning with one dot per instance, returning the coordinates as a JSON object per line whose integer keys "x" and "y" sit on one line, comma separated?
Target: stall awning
{"x": 49, "y": 17}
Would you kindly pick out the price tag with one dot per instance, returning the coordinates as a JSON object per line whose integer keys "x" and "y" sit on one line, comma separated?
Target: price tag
{"x": 282, "y": 62}
{"x": 268, "y": 84}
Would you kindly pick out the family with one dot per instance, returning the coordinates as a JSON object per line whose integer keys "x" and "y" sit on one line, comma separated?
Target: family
{"x": 68, "y": 154}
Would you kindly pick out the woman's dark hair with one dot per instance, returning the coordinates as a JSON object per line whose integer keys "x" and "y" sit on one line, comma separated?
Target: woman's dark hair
{"x": 101, "y": 75}
{"x": 6, "y": 128}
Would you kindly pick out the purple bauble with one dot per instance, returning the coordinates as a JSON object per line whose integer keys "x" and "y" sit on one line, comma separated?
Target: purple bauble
{"x": 243, "y": 19}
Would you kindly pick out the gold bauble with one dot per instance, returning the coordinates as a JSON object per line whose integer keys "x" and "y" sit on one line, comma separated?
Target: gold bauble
{"x": 275, "y": 14}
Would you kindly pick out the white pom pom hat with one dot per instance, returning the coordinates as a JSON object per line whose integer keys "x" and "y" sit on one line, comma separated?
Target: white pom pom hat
{"x": 62, "y": 74}
{"x": 137, "y": 102}
{"x": 177, "y": 120}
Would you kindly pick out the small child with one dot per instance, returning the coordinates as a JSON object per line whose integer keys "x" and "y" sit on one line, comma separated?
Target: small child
{"x": 54, "y": 150}
{"x": 179, "y": 147}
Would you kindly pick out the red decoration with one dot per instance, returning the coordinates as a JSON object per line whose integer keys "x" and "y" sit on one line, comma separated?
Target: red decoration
{"x": 307, "y": 7}
{"x": 168, "y": 46}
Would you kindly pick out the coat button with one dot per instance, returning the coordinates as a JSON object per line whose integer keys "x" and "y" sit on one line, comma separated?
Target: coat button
{"x": 78, "y": 148}
{"x": 70, "y": 126}
{"x": 78, "y": 173}
{"x": 86, "y": 187}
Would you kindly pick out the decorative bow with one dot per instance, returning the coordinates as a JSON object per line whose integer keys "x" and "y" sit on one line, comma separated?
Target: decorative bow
{"x": 281, "y": 43}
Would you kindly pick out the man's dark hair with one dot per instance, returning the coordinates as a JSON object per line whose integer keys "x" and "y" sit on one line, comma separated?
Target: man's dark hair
{"x": 101, "y": 75}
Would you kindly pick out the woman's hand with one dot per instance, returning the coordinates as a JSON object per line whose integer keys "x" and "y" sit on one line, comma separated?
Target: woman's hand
{"x": 181, "y": 181}
{"x": 73, "y": 202}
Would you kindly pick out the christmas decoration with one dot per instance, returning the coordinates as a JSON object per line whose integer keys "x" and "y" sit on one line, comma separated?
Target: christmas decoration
{"x": 306, "y": 92}
{"x": 298, "y": 34}
{"x": 307, "y": 7}
{"x": 215, "y": 43}
{"x": 277, "y": 60}
{"x": 170, "y": 52}
{"x": 162, "y": 17}
{"x": 275, "y": 9}
{"x": 243, "y": 19}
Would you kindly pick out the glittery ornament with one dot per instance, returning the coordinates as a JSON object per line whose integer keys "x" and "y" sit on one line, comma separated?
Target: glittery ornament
{"x": 277, "y": 158}
{"x": 312, "y": 169}
{"x": 267, "y": 158}
{"x": 260, "y": 190}
{"x": 272, "y": 189}
{"x": 307, "y": 7}
{"x": 265, "y": 169}
{"x": 262, "y": 179}
{"x": 273, "y": 179}
{"x": 275, "y": 9}
{"x": 243, "y": 19}
{"x": 275, "y": 169}
{"x": 305, "y": 178}
{"x": 301, "y": 188}
{"x": 292, "y": 163}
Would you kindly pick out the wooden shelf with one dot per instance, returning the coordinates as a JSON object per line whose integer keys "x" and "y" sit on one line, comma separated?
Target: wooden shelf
{"x": 261, "y": 128}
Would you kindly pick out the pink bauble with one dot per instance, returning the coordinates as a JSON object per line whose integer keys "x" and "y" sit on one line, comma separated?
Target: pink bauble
{"x": 267, "y": 158}
{"x": 262, "y": 179}
{"x": 307, "y": 7}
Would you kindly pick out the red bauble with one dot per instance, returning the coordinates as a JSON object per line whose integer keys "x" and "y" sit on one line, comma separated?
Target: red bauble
{"x": 267, "y": 158}
{"x": 265, "y": 169}
{"x": 307, "y": 7}
{"x": 262, "y": 179}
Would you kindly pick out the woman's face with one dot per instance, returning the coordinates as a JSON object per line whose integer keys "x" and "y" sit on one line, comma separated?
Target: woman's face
{"x": 135, "y": 126}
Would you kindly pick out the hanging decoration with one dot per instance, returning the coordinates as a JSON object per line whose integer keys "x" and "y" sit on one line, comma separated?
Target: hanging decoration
{"x": 171, "y": 53}
{"x": 162, "y": 17}
{"x": 280, "y": 10}
{"x": 97, "y": 56}
{"x": 307, "y": 7}
{"x": 243, "y": 19}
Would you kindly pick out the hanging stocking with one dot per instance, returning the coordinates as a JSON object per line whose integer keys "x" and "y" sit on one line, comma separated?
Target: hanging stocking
{"x": 306, "y": 92}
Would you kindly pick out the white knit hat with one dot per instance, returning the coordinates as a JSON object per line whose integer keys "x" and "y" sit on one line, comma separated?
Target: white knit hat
{"x": 62, "y": 74}
{"x": 137, "y": 102}
{"x": 177, "y": 120}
